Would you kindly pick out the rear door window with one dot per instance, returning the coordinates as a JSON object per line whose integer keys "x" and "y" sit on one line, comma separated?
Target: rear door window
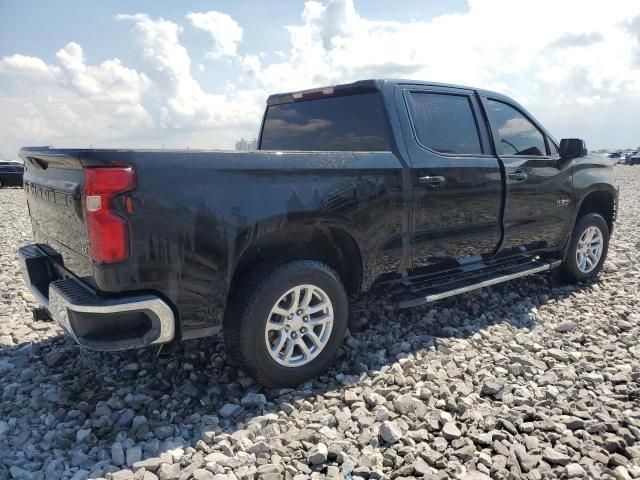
{"x": 517, "y": 134}
{"x": 444, "y": 123}
{"x": 341, "y": 123}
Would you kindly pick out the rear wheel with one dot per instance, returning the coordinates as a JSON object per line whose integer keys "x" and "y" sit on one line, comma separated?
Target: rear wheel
{"x": 285, "y": 324}
{"x": 587, "y": 248}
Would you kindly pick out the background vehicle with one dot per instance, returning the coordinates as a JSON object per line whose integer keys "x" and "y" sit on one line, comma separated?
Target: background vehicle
{"x": 627, "y": 156}
{"x": 426, "y": 189}
{"x": 11, "y": 174}
{"x": 634, "y": 159}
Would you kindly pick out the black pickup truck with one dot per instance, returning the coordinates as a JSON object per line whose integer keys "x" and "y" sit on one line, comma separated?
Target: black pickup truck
{"x": 422, "y": 189}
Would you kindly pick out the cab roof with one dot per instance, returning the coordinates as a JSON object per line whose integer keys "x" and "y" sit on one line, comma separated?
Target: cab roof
{"x": 363, "y": 86}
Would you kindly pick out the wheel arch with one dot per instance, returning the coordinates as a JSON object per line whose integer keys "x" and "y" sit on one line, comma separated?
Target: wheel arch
{"x": 602, "y": 201}
{"x": 332, "y": 246}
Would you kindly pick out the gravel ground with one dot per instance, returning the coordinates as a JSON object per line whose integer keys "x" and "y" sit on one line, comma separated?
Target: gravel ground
{"x": 532, "y": 379}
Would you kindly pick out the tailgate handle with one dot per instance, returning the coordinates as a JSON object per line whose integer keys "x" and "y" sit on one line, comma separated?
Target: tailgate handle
{"x": 518, "y": 176}
{"x": 428, "y": 180}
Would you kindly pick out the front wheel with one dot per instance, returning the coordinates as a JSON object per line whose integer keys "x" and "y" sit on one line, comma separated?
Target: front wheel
{"x": 284, "y": 325}
{"x": 588, "y": 248}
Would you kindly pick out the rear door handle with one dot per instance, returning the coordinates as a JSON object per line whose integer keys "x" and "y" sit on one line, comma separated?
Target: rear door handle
{"x": 518, "y": 176}
{"x": 427, "y": 180}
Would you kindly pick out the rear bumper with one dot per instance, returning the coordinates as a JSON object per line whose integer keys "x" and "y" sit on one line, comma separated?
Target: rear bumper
{"x": 94, "y": 321}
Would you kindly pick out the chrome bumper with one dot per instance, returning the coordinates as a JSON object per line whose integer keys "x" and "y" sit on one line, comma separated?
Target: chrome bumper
{"x": 100, "y": 323}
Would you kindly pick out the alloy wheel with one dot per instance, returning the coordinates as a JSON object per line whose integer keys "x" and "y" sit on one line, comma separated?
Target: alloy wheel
{"x": 299, "y": 325}
{"x": 589, "y": 250}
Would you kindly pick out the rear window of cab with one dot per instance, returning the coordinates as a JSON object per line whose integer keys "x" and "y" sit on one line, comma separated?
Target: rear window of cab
{"x": 341, "y": 123}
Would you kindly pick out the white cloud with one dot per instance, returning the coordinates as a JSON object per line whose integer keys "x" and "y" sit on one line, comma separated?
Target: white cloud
{"x": 579, "y": 77}
{"x": 575, "y": 76}
{"x": 180, "y": 100}
{"x": 157, "y": 102}
{"x": 22, "y": 65}
{"x": 110, "y": 82}
{"x": 71, "y": 102}
{"x": 485, "y": 46}
{"x": 251, "y": 64}
{"x": 634, "y": 29}
{"x": 224, "y": 30}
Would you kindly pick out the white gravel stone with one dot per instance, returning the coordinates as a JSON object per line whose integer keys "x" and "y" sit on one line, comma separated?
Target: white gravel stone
{"x": 253, "y": 399}
{"x": 318, "y": 454}
{"x": 169, "y": 471}
{"x": 229, "y": 409}
{"x": 555, "y": 457}
{"x": 117, "y": 454}
{"x": 122, "y": 475}
{"x": 450, "y": 431}
{"x": 82, "y": 434}
{"x": 575, "y": 470}
{"x": 202, "y": 474}
{"x": 390, "y": 432}
{"x": 133, "y": 455}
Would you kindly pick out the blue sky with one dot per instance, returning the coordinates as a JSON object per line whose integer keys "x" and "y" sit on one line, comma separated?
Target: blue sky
{"x": 38, "y": 27}
{"x": 149, "y": 73}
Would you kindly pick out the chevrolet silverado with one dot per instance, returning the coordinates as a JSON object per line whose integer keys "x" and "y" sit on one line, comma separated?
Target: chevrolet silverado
{"x": 422, "y": 189}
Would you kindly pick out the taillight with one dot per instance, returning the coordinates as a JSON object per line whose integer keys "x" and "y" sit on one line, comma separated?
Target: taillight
{"x": 108, "y": 232}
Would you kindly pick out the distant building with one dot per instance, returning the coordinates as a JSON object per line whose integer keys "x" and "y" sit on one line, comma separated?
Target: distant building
{"x": 243, "y": 144}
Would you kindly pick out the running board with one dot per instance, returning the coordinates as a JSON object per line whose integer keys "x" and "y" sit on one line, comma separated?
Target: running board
{"x": 456, "y": 286}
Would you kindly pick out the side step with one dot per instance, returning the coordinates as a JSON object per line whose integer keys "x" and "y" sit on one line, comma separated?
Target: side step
{"x": 415, "y": 293}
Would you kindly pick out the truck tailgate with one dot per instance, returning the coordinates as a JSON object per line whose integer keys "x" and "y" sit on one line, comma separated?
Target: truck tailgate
{"x": 53, "y": 187}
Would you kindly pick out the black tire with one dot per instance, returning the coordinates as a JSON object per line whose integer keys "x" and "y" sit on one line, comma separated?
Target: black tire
{"x": 570, "y": 270}
{"x": 249, "y": 309}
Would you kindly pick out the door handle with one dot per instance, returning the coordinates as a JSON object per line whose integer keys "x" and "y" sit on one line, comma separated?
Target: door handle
{"x": 427, "y": 180}
{"x": 518, "y": 176}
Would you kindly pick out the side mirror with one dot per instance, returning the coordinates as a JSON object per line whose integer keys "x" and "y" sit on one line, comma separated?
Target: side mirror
{"x": 572, "y": 148}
